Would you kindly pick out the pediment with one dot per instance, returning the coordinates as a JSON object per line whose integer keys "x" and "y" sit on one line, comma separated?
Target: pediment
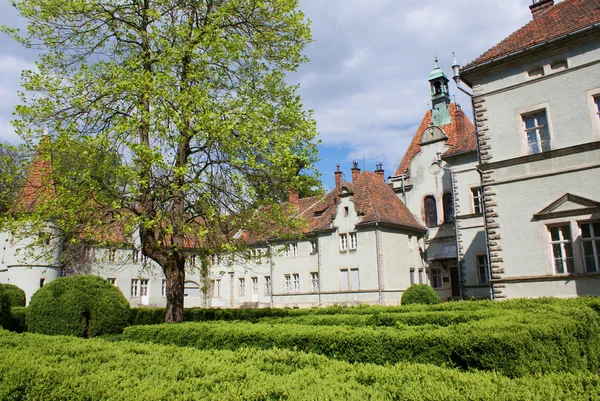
{"x": 569, "y": 204}
{"x": 432, "y": 134}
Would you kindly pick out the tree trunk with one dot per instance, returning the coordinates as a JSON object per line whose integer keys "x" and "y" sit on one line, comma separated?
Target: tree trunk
{"x": 175, "y": 275}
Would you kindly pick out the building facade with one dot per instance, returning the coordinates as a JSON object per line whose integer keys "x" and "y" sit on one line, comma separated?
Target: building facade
{"x": 537, "y": 101}
{"x": 438, "y": 181}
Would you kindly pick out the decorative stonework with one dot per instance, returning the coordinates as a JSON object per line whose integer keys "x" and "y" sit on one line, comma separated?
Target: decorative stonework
{"x": 489, "y": 196}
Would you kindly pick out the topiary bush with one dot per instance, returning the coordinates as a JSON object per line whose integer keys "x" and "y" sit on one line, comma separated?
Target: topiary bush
{"x": 4, "y": 310}
{"x": 420, "y": 294}
{"x": 82, "y": 306}
{"x": 16, "y": 295}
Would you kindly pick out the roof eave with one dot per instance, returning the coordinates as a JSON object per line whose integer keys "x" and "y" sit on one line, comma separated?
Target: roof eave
{"x": 471, "y": 68}
{"x": 421, "y": 230}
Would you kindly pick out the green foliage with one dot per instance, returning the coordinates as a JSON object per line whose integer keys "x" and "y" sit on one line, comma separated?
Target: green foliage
{"x": 420, "y": 294}
{"x": 18, "y": 319}
{"x": 161, "y": 111}
{"x": 51, "y": 367}
{"x": 82, "y": 306}
{"x": 515, "y": 338}
{"x": 12, "y": 174}
{"x": 15, "y": 294}
{"x": 4, "y": 310}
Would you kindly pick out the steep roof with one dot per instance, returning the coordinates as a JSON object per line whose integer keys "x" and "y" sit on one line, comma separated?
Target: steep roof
{"x": 378, "y": 202}
{"x": 37, "y": 185}
{"x": 561, "y": 19}
{"x": 460, "y": 133}
{"x": 373, "y": 199}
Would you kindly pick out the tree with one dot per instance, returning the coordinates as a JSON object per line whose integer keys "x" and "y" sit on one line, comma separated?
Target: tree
{"x": 170, "y": 119}
{"x": 12, "y": 174}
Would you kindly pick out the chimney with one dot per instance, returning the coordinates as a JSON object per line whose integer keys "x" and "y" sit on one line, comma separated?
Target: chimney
{"x": 294, "y": 196}
{"x": 540, "y": 7}
{"x": 355, "y": 171}
{"x": 338, "y": 178}
{"x": 379, "y": 170}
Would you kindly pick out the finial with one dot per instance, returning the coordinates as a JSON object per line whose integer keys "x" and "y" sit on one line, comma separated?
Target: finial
{"x": 436, "y": 62}
{"x": 338, "y": 167}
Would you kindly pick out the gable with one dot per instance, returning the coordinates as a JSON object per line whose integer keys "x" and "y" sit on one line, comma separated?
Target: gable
{"x": 432, "y": 134}
{"x": 568, "y": 205}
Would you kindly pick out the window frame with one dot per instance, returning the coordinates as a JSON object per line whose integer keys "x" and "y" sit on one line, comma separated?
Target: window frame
{"x": 563, "y": 245}
{"x": 352, "y": 241}
{"x": 432, "y": 208}
{"x": 163, "y": 288}
{"x": 135, "y": 288}
{"x": 314, "y": 247}
{"x": 435, "y": 272}
{"x": 242, "y": 286}
{"x": 215, "y": 288}
{"x": 287, "y": 283}
{"x": 477, "y": 200}
{"x": 315, "y": 284}
{"x": 520, "y": 125}
{"x": 343, "y": 242}
{"x": 537, "y": 129}
{"x": 481, "y": 262}
{"x": 594, "y": 239}
{"x": 448, "y": 214}
{"x": 268, "y": 285}
{"x": 593, "y": 96}
{"x": 296, "y": 282}
{"x": 349, "y": 271}
{"x": 112, "y": 280}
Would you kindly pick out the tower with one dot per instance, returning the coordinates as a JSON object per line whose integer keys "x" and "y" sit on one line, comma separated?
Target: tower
{"x": 440, "y": 97}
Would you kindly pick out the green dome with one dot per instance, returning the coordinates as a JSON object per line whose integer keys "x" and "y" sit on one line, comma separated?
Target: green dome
{"x": 437, "y": 73}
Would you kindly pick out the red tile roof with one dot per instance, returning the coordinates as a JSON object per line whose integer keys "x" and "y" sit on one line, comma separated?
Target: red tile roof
{"x": 37, "y": 185}
{"x": 561, "y": 19}
{"x": 373, "y": 199}
{"x": 460, "y": 133}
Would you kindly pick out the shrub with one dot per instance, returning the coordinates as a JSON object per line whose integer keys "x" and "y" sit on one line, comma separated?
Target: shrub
{"x": 18, "y": 319}
{"x": 55, "y": 368}
{"x": 82, "y": 306}
{"x": 420, "y": 294}
{"x": 15, "y": 294}
{"x": 4, "y": 310}
{"x": 558, "y": 338}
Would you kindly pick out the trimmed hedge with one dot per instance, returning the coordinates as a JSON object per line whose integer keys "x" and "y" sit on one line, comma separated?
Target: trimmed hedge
{"x": 15, "y": 294}
{"x": 18, "y": 319}
{"x": 515, "y": 343}
{"x": 82, "y": 306}
{"x": 51, "y": 368}
{"x": 420, "y": 294}
{"x": 4, "y": 310}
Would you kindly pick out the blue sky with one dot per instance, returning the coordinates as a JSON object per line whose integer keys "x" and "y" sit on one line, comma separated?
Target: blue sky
{"x": 367, "y": 77}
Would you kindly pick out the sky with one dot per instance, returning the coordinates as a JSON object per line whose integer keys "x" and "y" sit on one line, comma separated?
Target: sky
{"x": 366, "y": 80}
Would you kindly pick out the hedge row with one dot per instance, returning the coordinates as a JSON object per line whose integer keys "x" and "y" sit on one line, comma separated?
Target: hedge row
{"x": 157, "y": 315}
{"x": 52, "y": 368}
{"x": 514, "y": 343}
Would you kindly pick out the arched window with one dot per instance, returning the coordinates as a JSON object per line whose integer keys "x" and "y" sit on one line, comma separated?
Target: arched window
{"x": 448, "y": 207}
{"x": 430, "y": 211}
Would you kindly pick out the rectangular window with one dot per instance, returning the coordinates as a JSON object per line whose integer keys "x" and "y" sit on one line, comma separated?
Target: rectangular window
{"x": 343, "y": 242}
{"x": 597, "y": 102}
{"x": 163, "y": 288}
{"x": 436, "y": 278}
{"x": 314, "y": 247}
{"x": 288, "y": 283}
{"x": 590, "y": 240}
{"x": 144, "y": 287}
{"x": 216, "y": 287}
{"x": 477, "y": 200}
{"x": 537, "y": 132}
{"x": 482, "y": 269}
{"x": 420, "y": 275}
{"x": 294, "y": 247}
{"x": 268, "y": 285}
{"x": 135, "y": 256}
{"x": 562, "y": 248}
{"x": 42, "y": 282}
{"x": 192, "y": 261}
{"x": 112, "y": 280}
{"x": 112, "y": 252}
{"x": 314, "y": 281}
{"x": 349, "y": 279}
{"x": 296, "y": 282}
{"x": 135, "y": 287}
{"x": 242, "y": 287}
{"x": 353, "y": 241}
{"x": 412, "y": 275}
{"x": 254, "y": 285}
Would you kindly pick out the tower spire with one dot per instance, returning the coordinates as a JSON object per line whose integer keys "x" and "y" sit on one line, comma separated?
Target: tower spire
{"x": 440, "y": 96}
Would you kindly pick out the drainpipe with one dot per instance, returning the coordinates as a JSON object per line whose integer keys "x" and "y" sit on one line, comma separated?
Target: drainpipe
{"x": 271, "y": 272}
{"x": 456, "y": 77}
{"x": 319, "y": 267}
{"x": 378, "y": 263}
